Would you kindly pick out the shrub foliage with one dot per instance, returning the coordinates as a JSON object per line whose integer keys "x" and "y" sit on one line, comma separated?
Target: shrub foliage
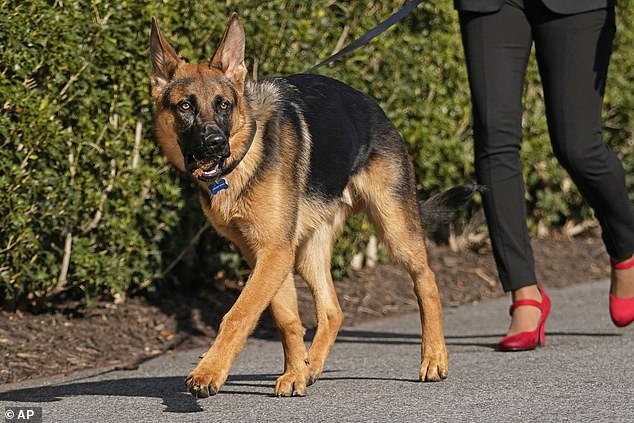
{"x": 87, "y": 201}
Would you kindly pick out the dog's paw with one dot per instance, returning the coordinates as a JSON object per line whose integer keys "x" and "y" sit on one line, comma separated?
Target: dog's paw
{"x": 292, "y": 383}
{"x": 434, "y": 366}
{"x": 314, "y": 371}
{"x": 203, "y": 383}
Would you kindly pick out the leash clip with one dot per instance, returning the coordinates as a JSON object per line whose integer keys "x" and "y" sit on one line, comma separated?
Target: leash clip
{"x": 218, "y": 186}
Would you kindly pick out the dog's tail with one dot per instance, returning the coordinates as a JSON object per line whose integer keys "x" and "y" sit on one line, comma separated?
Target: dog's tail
{"x": 442, "y": 207}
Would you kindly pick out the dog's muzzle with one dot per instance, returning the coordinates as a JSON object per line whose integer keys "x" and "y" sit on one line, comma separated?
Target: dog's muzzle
{"x": 208, "y": 161}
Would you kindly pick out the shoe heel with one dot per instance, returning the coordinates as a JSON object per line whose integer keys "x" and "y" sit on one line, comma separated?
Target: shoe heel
{"x": 542, "y": 335}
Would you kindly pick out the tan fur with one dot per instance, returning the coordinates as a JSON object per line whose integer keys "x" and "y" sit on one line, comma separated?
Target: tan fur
{"x": 400, "y": 228}
{"x": 278, "y": 229}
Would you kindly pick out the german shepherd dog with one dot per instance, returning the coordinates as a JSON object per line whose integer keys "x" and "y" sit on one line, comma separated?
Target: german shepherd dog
{"x": 281, "y": 164}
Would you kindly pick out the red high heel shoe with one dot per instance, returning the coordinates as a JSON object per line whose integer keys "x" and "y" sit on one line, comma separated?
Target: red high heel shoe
{"x": 528, "y": 340}
{"x": 622, "y": 309}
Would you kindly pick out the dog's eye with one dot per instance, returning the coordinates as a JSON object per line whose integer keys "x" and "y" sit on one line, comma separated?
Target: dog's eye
{"x": 184, "y": 106}
{"x": 222, "y": 104}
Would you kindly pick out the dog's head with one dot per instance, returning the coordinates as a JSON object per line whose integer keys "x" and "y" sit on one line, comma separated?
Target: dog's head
{"x": 200, "y": 110}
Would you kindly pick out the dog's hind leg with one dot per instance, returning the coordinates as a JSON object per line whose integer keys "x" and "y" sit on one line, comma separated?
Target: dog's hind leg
{"x": 313, "y": 264}
{"x": 286, "y": 316}
{"x": 391, "y": 201}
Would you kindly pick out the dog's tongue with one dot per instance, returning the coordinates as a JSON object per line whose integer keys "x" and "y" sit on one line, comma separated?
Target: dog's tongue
{"x": 208, "y": 175}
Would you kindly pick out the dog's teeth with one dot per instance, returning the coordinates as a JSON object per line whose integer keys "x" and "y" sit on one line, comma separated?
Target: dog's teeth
{"x": 211, "y": 172}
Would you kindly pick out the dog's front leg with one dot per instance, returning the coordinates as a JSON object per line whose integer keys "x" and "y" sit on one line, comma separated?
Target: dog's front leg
{"x": 273, "y": 265}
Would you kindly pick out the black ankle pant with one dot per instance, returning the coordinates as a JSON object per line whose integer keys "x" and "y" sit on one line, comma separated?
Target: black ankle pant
{"x": 572, "y": 53}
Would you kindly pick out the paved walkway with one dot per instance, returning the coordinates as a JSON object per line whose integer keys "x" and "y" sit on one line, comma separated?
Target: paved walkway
{"x": 585, "y": 374}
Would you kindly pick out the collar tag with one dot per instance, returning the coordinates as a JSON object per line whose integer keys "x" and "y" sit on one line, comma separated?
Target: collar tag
{"x": 218, "y": 186}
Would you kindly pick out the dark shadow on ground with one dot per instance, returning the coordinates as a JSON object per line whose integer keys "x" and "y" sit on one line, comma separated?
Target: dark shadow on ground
{"x": 171, "y": 390}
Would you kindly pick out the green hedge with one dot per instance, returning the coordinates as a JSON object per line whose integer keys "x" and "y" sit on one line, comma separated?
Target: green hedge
{"x": 82, "y": 180}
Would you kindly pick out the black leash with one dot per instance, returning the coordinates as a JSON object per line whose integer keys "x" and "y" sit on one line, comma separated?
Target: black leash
{"x": 368, "y": 36}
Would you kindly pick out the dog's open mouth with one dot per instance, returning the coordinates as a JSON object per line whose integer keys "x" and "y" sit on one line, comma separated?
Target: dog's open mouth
{"x": 209, "y": 172}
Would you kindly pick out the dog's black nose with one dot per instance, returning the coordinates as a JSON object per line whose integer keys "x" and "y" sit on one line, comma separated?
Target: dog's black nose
{"x": 212, "y": 136}
{"x": 214, "y": 141}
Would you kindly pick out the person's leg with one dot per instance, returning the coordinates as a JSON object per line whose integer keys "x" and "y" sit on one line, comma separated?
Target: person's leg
{"x": 573, "y": 53}
{"x": 497, "y": 47}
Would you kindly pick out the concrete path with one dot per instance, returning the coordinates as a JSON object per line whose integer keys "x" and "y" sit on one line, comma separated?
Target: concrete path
{"x": 584, "y": 374}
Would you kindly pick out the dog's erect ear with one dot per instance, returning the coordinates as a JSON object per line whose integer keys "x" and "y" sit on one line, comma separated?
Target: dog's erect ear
{"x": 165, "y": 60}
{"x": 229, "y": 56}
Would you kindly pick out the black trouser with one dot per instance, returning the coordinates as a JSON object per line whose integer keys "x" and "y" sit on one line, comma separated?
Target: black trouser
{"x": 572, "y": 53}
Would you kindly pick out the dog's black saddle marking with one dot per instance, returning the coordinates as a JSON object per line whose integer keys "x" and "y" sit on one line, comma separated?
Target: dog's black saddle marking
{"x": 344, "y": 124}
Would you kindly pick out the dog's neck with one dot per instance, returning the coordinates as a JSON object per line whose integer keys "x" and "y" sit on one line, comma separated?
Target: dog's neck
{"x": 254, "y": 127}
